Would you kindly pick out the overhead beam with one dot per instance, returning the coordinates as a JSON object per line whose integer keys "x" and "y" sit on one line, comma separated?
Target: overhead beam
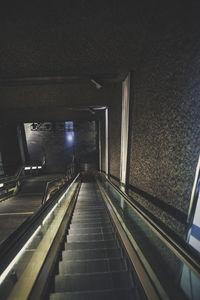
{"x": 85, "y": 78}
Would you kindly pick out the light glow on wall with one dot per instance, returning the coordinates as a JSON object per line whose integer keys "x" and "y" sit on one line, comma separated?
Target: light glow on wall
{"x": 69, "y": 137}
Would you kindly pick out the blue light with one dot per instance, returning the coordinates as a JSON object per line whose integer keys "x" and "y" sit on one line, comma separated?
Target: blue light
{"x": 69, "y": 137}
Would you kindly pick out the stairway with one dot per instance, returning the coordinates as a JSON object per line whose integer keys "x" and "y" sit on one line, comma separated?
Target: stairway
{"x": 92, "y": 266}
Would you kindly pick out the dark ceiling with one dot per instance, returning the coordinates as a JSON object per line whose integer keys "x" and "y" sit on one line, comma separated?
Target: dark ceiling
{"x": 80, "y": 38}
{"x": 65, "y": 44}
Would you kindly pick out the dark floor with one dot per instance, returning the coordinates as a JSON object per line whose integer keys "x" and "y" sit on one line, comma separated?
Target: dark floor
{"x": 15, "y": 210}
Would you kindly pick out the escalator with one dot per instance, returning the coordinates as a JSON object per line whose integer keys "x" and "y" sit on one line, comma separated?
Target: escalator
{"x": 92, "y": 265}
{"x": 91, "y": 241}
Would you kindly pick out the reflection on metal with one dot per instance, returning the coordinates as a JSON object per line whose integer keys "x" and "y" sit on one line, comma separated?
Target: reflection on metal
{"x": 193, "y": 237}
{"x": 106, "y": 142}
{"x": 132, "y": 250}
{"x": 178, "y": 249}
{"x": 36, "y": 262}
{"x": 195, "y": 193}
{"x": 124, "y": 128}
{"x": 17, "y": 257}
{"x": 190, "y": 283}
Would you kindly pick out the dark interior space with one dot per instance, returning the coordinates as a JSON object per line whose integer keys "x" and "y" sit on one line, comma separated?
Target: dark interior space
{"x": 99, "y": 118}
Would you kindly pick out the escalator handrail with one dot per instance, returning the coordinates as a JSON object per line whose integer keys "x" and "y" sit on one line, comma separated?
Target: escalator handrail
{"x": 14, "y": 178}
{"x": 180, "y": 249}
{"x": 10, "y": 246}
{"x": 50, "y": 182}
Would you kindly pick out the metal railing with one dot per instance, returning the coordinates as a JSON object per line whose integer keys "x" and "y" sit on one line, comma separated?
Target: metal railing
{"x": 9, "y": 185}
{"x": 34, "y": 237}
{"x": 55, "y": 184}
{"x": 179, "y": 251}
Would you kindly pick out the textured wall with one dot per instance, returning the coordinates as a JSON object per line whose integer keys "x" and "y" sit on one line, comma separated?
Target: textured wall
{"x": 165, "y": 131}
{"x": 115, "y": 110}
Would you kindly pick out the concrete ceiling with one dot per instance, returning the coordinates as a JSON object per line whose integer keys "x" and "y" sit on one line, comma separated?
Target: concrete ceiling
{"x": 49, "y": 55}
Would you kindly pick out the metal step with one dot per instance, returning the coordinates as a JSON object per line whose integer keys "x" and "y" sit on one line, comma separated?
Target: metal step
{"x": 89, "y": 214}
{"x": 90, "y": 230}
{"x": 120, "y": 294}
{"x": 90, "y": 225}
{"x": 91, "y": 222}
{"x": 92, "y": 266}
{"x": 91, "y": 245}
{"x": 91, "y": 254}
{"x": 89, "y": 237}
{"x": 89, "y": 282}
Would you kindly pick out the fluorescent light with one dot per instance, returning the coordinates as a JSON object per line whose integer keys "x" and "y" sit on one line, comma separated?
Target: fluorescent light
{"x": 14, "y": 261}
{"x": 1, "y": 185}
{"x": 39, "y": 167}
{"x": 33, "y": 168}
{"x": 27, "y": 168}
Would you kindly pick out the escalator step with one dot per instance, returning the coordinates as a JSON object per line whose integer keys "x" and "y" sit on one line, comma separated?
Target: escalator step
{"x": 90, "y": 225}
{"x": 88, "y": 215}
{"x": 90, "y": 230}
{"x": 91, "y": 254}
{"x": 90, "y": 220}
{"x": 92, "y": 266}
{"x": 91, "y": 245}
{"x": 120, "y": 294}
{"x": 88, "y": 282}
{"x": 93, "y": 221}
{"x": 88, "y": 208}
{"x": 89, "y": 237}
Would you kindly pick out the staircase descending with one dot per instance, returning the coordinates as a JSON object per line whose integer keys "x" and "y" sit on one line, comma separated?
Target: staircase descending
{"x": 92, "y": 265}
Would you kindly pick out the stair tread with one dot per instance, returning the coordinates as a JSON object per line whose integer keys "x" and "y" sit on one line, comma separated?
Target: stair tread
{"x": 117, "y": 294}
{"x": 90, "y": 230}
{"x": 90, "y": 237}
{"x": 92, "y": 265}
{"x": 91, "y": 254}
{"x": 93, "y": 281}
{"x": 91, "y": 245}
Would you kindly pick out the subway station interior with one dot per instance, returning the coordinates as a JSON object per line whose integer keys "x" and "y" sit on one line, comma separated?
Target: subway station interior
{"x": 99, "y": 150}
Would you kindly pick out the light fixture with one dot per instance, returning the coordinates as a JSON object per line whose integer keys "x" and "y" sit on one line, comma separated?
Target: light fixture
{"x": 69, "y": 137}
{"x": 97, "y": 85}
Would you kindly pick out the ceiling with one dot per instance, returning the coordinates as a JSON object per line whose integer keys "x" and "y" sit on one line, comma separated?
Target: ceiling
{"x": 49, "y": 55}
